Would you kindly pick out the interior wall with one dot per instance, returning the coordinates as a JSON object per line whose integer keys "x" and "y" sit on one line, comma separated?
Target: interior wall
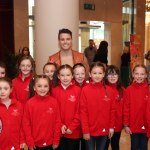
{"x": 110, "y": 12}
{"x": 21, "y": 27}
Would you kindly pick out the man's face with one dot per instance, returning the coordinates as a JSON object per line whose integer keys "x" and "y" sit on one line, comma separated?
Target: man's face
{"x": 65, "y": 41}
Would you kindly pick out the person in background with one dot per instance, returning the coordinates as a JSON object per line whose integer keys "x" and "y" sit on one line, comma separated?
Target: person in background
{"x": 11, "y": 112}
{"x": 25, "y": 51}
{"x": 147, "y": 57}
{"x": 125, "y": 67}
{"x": 21, "y": 82}
{"x": 90, "y": 51}
{"x": 66, "y": 54}
{"x": 97, "y": 109}
{"x": 41, "y": 120}
{"x": 2, "y": 69}
{"x": 67, "y": 95}
{"x": 134, "y": 112}
{"x": 112, "y": 79}
{"x": 102, "y": 53}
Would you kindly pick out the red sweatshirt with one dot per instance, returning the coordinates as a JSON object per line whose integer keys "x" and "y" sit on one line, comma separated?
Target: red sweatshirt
{"x": 119, "y": 108}
{"x": 97, "y": 109}
{"x": 136, "y": 96}
{"x": 68, "y": 100}
{"x": 12, "y": 133}
{"x": 41, "y": 121}
{"x": 148, "y": 116}
{"x": 21, "y": 88}
{"x": 83, "y": 85}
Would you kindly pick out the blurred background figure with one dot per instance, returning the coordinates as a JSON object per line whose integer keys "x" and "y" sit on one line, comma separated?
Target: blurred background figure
{"x": 147, "y": 57}
{"x": 102, "y": 53}
{"x": 125, "y": 67}
{"x": 90, "y": 51}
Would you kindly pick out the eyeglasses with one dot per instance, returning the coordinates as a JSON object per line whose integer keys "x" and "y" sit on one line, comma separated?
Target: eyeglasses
{"x": 112, "y": 75}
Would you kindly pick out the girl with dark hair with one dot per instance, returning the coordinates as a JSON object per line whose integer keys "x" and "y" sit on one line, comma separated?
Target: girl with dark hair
{"x": 97, "y": 109}
{"x": 41, "y": 120}
{"x": 2, "y": 69}
{"x": 67, "y": 95}
{"x": 21, "y": 82}
{"x": 112, "y": 79}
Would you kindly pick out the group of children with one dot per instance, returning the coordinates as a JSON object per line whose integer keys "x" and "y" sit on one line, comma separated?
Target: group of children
{"x": 61, "y": 110}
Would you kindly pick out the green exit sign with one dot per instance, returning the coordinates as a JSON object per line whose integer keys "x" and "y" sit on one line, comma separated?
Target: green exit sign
{"x": 89, "y": 6}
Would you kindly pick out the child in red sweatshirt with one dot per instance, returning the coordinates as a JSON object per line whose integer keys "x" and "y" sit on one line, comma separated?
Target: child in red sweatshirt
{"x": 112, "y": 79}
{"x": 79, "y": 73}
{"x": 21, "y": 82}
{"x": 97, "y": 109}
{"x": 147, "y": 116}
{"x": 67, "y": 95}
{"x": 41, "y": 120}
{"x": 11, "y": 111}
{"x": 136, "y": 96}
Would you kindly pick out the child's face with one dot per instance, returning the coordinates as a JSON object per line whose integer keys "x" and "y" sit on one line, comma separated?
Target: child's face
{"x": 41, "y": 87}
{"x": 5, "y": 90}
{"x": 97, "y": 74}
{"x": 65, "y": 76}
{"x": 79, "y": 74}
{"x": 49, "y": 71}
{"x": 2, "y": 72}
{"x": 139, "y": 74}
{"x": 112, "y": 78}
{"x": 25, "y": 67}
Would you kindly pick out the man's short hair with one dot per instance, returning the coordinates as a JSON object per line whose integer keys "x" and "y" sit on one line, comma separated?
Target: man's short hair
{"x": 91, "y": 40}
{"x": 67, "y": 31}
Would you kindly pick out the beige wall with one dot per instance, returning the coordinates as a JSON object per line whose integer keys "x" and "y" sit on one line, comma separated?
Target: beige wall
{"x": 21, "y": 31}
{"x": 110, "y": 12}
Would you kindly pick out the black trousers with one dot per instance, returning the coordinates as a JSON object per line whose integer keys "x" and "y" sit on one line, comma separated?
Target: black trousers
{"x": 114, "y": 141}
{"x": 83, "y": 144}
{"x": 44, "y": 148}
{"x": 139, "y": 141}
{"x": 69, "y": 144}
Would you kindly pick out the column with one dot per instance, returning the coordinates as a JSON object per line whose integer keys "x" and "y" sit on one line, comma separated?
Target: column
{"x": 50, "y": 16}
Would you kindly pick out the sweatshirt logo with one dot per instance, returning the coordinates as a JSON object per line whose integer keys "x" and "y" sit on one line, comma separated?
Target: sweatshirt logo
{"x": 104, "y": 130}
{"x": 50, "y": 110}
{"x": 72, "y": 98}
{"x": 146, "y": 98}
{"x": 106, "y": 98}
{"x": 15, "y": 112}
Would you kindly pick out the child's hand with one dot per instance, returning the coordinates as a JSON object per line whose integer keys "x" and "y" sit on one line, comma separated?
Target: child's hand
{"x": 69, "y": 131}
{"x": 22, "y": 146}
{"x": 1, "y": 127}
{"x": 111, "y": 133}
{"x": 55, "y": 146}
{"x": 86, "y": 136}
{"x": 127, "y": 130}
{"x": 63, "y": 129}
